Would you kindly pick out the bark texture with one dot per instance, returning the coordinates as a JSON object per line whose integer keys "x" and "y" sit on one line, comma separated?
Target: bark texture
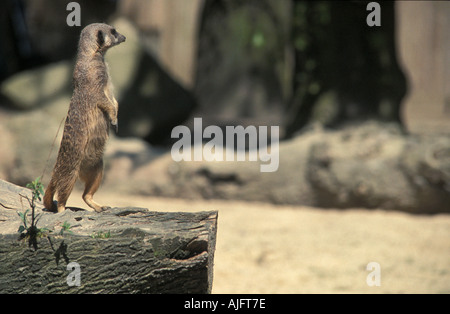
{"x": 123, "y": 250}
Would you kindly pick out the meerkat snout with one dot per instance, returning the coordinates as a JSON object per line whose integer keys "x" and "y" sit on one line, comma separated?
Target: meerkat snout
{"x": 119, "y": 37}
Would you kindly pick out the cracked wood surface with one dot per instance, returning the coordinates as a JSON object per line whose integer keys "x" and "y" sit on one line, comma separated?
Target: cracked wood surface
{"x": 122, "y": 250}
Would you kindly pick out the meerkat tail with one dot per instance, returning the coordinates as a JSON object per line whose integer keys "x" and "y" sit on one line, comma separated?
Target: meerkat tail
{"x": 48, "y": 197}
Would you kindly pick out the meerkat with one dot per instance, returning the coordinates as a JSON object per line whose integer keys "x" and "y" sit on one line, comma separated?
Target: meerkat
{"x": 92, "y": 109}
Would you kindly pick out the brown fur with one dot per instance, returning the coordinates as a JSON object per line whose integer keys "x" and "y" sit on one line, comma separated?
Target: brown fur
{"x": 92, "y": 108}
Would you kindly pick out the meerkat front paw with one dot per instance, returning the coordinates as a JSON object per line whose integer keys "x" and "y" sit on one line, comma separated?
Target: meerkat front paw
{"x": 115, "y": 123}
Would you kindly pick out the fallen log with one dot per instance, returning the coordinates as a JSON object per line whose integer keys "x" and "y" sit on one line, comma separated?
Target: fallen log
{"x": 122, "y": 250}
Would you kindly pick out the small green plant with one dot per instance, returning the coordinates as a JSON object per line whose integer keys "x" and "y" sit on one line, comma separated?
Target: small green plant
{"x": 37, "y": 189}
{"x": 101, "y": 235}
{"x": 65, "y": 228}
{"x": 29, "y": 230}
{"x": 23, "y": 217}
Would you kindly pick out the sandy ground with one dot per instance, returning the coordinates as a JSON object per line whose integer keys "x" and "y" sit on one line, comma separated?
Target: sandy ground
{"x": 263, "y": 248}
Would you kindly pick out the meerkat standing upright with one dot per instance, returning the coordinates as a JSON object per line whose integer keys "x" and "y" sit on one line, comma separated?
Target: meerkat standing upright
{"x": 92, "y": 109}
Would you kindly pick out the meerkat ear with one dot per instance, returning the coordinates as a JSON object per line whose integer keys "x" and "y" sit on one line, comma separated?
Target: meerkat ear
{"x": 100, "y": 38}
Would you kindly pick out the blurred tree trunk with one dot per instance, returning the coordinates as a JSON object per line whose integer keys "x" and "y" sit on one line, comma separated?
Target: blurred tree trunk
{"x": 424, "y": 53}
{"x": 344, "y": 69}
{"x": 241, "y": 61}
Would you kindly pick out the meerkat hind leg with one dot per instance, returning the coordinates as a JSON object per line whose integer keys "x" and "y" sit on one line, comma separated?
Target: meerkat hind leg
{"x": 61, "y": 207}
{"x": 93, "y": 178}
{"x": 64, "y": 193}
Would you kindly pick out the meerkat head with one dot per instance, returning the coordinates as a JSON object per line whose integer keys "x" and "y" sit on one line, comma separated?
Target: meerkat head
{"x": 99, "y": 37}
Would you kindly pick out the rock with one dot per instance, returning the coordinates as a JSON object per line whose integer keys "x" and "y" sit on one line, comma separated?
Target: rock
{"x": 37, "y": 87}
{"x": 7, "y": 153}
{"x": 33, "y": 140}
{"x": 30, "y": 136}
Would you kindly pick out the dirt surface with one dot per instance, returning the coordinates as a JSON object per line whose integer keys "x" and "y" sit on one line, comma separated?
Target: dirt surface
{"x": 262, "y": 248}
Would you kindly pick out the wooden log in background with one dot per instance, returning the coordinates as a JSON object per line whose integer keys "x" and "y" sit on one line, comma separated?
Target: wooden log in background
{"x": 122, "y": 250}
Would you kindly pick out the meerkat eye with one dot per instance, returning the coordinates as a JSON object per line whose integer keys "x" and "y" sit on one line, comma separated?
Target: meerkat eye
{"x": 114, "y": 32}
{"x": 100, "y": 38}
